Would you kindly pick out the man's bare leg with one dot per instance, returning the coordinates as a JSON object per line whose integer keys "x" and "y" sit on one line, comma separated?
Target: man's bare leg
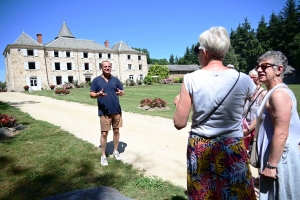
{"x": 103, "y": 141}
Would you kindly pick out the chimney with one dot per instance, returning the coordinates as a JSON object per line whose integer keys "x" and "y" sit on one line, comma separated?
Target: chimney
{"x": 106, "y": 43}
{"x": 39, "y": 38}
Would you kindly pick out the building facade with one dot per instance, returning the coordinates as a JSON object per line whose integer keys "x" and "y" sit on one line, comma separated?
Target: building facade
{"x": 67, "y": 59}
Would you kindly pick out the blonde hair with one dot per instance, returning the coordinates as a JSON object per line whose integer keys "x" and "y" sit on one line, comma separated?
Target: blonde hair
{"x": 253, "y": 72}
{"x": 216, "y": 41}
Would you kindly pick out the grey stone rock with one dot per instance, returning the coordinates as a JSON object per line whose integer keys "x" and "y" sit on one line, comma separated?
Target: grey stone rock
{"x": 19, "y": 127}
{"x": 4, "y": 132}
{"x": 98, "y": 193}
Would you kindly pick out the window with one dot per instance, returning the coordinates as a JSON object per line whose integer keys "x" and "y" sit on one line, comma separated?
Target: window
{"x": 56, "y": 54}
{"x": 68, "y": 54}
{"x": 33, "y": 81}
{"x": 99, "y": 66}
{"x": 139, "y": 57}
{"x": 69, "y": 66}
{"x": 88, "y": 79}
{"x": 31, "y": 65}
{"x": 85, "y": 55}
{"x": 141, "y": 77}
{"x": 58, "y": 80}
{"x": 100, "y": 55}
{"x": 30, "y": 52}
{"x": 70, "y": 79}
{"x": 130, "y": 77}
{"x": 129, "y": 66}
{"x": 140, "y": 67}
{"x": 57, "y": 66}
{"x": 108, "y": 55}
{"x": 128, "y": 57}
{"x": 86, "y": 66}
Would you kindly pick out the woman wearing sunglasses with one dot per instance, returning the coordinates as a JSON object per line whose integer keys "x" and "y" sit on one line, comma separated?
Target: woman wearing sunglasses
{"x": 278, "y": 127}
{"x": 217, "y": 162}
{"x": 250, "y": 108}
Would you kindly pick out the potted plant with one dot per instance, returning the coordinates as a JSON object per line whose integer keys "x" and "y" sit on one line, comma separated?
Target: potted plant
{"x": 52, "y": 87}
{"x": 26, "y": 87}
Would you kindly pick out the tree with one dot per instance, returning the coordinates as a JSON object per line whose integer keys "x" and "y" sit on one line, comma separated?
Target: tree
{"x": 291, "y": 27}
{"x": 144, "y": 51}
{"x": 262, "y": 34}
{"x": 159, "y": 70}
{"x": 159, "y": 61}
{"x": 171, "y": 59}
{"x": 246, "y": 45}
{"x": 231, "y": 58}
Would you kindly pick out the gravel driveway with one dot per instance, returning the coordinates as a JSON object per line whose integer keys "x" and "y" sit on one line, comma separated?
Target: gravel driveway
{"x": 147, "y": 142}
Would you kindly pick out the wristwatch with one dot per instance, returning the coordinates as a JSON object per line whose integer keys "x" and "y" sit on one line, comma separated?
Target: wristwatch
{"x": 270, "y": 166}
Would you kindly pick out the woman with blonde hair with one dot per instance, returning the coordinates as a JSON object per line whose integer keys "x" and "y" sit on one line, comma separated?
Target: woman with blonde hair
{"x": 217, "y": 162}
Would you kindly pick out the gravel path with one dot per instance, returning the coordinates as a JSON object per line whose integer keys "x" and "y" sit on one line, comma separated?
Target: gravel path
{"x": 148, "y": 143}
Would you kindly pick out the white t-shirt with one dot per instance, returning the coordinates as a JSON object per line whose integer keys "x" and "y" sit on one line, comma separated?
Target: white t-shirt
{"x": 207, "y": 90}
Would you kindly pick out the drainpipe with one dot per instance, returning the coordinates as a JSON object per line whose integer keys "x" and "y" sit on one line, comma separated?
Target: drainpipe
{"x": 120, "y": 63}
{"x": 46, "y": 65}
{"x": 78, "y": 68}
{"x": 95, "y": 63}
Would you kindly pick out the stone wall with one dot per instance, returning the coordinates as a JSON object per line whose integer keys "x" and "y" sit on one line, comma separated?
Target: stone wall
{"x": 17, "y": 76}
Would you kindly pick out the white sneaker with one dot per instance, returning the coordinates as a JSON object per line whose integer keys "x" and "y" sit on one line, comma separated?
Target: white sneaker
{"x": 103, "y": 161}
{"x": 117, "y": 155}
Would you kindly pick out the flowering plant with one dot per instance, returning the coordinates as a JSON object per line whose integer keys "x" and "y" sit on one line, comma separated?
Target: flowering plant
{"x": 26, "y": 87}
{"x": 7, "y": 121}
{"x": 52, "y": 86}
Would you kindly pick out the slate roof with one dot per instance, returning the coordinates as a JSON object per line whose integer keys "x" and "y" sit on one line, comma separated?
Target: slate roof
{"x": 65, "y": 31}
{"x": 73, "y": 43}
{"x": 25, "y": 39}
{"x": 183, "y": 68}
{"x": 122, "y": 46}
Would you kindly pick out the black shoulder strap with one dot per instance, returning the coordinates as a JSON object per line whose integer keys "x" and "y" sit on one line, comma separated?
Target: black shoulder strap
{"x": 252, "y": 103}
{"x": 216, "y": 107}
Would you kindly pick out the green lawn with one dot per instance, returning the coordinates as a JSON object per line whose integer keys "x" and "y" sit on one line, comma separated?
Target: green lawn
{"x": 44, "y": 160}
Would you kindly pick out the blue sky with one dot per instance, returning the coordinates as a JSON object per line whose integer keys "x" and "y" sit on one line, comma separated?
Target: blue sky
{"x": 163, "y": 27}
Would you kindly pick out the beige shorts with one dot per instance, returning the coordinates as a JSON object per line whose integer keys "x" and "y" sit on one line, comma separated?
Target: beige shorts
{"x": 112, "y": 120}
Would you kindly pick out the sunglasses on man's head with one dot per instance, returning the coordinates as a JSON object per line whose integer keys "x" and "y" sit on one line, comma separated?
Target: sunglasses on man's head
{"x": 264, "y": 66}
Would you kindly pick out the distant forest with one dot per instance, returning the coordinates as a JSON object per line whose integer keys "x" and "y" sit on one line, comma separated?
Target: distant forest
{"x": 280, "y": 33}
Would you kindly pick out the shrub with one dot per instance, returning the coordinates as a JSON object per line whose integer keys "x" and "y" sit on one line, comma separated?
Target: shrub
{"x": 157, "y": 102}
{"x": 148, "y": 80}
{"x": 180, "y": 80}
{"x": 145, "y": 102}
{"x": 68, "y": 85}
{"x": 26, "y": 87}
{"x": 89, "y": 83}
{"x": 166, "y": 81}
{"x": 7, "y": 121}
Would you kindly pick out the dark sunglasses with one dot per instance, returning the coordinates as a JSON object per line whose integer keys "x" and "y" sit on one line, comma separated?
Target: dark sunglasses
{"x": 264, "y": 66}
{"x": 197, "y": 49}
